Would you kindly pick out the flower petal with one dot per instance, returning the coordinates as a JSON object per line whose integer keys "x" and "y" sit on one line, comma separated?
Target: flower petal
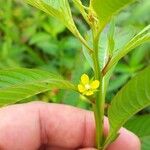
{"x": 84, "y": 79}
{"x": 95, "y": 84}
{"x": 88, "y": 93}
{"x": 81, "y": 88}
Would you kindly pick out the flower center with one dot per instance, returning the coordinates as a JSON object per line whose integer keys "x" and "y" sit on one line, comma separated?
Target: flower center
{"x": 87, "y": 87}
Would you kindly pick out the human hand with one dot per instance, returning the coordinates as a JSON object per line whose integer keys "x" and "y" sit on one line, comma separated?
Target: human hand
{"x": 42, "y": 126}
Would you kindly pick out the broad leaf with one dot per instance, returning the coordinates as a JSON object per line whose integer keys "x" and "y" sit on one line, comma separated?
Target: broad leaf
{"x": 105, "y": 9}
{"x": 18, "y": 84}
{"x": 140, "y": 126}
{"x": 145, "y": 143}
{"x": 133, "y": 97}
{"x": 140, "y": 38}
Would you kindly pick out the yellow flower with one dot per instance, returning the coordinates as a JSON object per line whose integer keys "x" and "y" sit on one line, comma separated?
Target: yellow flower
{"x": 87, "y": 87}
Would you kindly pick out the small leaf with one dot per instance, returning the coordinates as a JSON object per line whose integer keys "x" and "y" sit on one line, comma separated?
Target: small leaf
{"x": 18, "y": 84}
{"x": 103, "y": 53}
{"x": 133, "y": 97}
{"x": 111, "y": 42}
{"x": 105, "y": 9}
{"x": 122, "y": 36}
{"x": 140, "y": 38}
{"x": 86, "y": 52}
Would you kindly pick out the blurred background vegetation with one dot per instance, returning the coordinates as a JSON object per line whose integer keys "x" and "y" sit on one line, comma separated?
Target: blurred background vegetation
{"x": 29, "y": 38}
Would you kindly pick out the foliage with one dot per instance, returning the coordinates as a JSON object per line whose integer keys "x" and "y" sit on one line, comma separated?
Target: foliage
{"x": 132, "y": 98}
{"x": 139, "y": 125}
{"x": 37, "y": 43}
{"x": 17, "y": 84}
{"x": 43, "y": 42}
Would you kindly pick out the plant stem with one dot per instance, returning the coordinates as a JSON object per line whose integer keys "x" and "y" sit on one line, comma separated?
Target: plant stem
{"x": 99, "y": 103}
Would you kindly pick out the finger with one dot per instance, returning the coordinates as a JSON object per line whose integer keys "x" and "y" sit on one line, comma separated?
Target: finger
{"x": 19, "y": 127}
{"x": 58, "y": 148}
{"x": 55, "y": 148}
{"x": 34, "y": 124}
{"x": 87, "y": 149}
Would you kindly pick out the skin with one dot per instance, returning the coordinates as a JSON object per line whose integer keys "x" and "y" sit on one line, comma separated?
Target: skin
{"x": 42, "y": 126}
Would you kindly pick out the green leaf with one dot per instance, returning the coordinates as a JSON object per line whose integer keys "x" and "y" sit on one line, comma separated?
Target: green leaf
{"x": 122, "y": 36}
{"x": 103, "y": 52}
{"x": 111, "y": 42}
{"x": 59, "y": 9}
{"x": 145, "y": 143}
{"x": 133, "y": 97}
{"x": 86, "y": 53}
{"x": 140, "y": 38}
{"x": 18, "y": 84}
{"x": 140, "y": 126}
{"x": 51, "y": 25}
{"x": 45, "y": 42}
{"x": 138, "y": 55}
{"x": 39, "y": 37}
{"x": 105, "y": 9}
{"x": 116, "y": 83}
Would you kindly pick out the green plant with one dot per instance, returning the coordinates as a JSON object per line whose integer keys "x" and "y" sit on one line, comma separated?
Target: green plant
{"x": 102, "y": 49}
{"x": 139, "y": 125}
